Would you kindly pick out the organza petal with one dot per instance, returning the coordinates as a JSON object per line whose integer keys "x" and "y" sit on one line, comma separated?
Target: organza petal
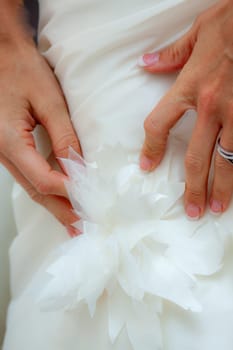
{"x": 136, "y": 248}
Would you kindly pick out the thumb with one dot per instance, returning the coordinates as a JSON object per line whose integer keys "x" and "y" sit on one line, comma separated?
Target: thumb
{"x": 172, "y": 57}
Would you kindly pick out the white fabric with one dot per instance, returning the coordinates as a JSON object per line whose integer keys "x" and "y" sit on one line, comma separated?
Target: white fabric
{"x": 141, "y": 276}
{"x": 7, "y": 233}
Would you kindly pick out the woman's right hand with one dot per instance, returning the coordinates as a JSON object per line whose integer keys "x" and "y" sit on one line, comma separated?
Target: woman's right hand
{"x": 30, "y": 95}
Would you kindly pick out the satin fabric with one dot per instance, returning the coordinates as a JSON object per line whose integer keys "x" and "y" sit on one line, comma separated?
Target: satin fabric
{"x": 93, "y": 46}
{"x": 7, "y": 233}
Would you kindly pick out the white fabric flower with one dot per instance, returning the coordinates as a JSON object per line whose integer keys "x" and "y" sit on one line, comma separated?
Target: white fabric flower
{"x": 135, "y": 246}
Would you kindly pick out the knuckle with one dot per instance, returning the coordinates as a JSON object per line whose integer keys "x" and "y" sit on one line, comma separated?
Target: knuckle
{"x": 208, "y": 99}
{"x": 154, "y": 147}
{"x": 173, "y": 52}
{"x": 220, "y": 193}
{"x": 149, "y": 125}
{"x": 200, "y": 19}
{"x": 194, "y": 164}
{"x": 153, "y": 151}
{"x": 43, "y": 188}
{"x": 154, "y": 129}
{"x": 48, "y": 109}
{"x": 66, "y": 141}
{"x": 205, "y": 17}
{"x": 194, "y": 194}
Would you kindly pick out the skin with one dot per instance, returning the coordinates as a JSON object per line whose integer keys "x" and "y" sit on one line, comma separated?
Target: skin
{"x": 31, "y": 95}
{"x": 204, "y": 56}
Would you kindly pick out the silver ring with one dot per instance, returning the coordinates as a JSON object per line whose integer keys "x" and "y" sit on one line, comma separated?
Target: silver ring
{"x": 224, "y": 153}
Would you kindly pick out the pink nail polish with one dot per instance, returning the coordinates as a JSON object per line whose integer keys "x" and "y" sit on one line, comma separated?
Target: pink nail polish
{"x": 72, "y": 231}
{"x": 216, "y": 207}
{"x": 193, "y": 211}
{"x": 146, "y": 163}
{"x": 148, "y": 59}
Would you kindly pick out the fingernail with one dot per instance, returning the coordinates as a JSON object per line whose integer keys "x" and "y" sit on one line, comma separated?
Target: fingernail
{"x": 72, "y": 231}
{"x": 216, "y": 207}
{"x": 193, "y": 211}
{"x": 148, "y": 59}
{"x": 146, "y": 163}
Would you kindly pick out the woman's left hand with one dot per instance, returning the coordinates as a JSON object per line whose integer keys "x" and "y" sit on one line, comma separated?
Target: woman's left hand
{"x": 205, "y": 56}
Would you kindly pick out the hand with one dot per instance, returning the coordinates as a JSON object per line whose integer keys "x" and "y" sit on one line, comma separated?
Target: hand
{"x": 205, "y": 83}
{"x": 30, "y": 94}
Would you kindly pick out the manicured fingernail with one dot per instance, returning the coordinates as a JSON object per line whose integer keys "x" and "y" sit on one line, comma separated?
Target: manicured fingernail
{"x": 193, "y": 211}
{"x": 216, "y": 207}
{"x": 148, "y": 59}
{"x": 146, "y": 163}
{"x": 72, "y": 231}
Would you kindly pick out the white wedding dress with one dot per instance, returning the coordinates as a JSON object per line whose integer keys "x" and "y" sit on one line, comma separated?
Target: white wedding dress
{"x": 141, "y": 276}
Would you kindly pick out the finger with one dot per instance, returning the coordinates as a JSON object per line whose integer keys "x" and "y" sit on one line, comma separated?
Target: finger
{"x": 31, "y": 164}
{"x": 59, "y": 207}
{"x": 222, "y": 187}
{"x": 157, "y": 126}
{"x": 197, "y": 164}
{"x": 52, "y": 112}
{"x": 172, "y": 57}
{"x": 72, "y": 231}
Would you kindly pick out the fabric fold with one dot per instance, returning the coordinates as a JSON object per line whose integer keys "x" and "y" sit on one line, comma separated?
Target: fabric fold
{"x": 135, "y": 254}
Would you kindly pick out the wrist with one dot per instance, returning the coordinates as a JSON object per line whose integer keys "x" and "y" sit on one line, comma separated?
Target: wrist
{"x": 227, "y": 30}
{"x": 14, "y": 28}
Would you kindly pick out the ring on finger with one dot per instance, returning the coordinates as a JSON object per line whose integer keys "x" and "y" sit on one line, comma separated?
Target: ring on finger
{"x": 228, "y": 155}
